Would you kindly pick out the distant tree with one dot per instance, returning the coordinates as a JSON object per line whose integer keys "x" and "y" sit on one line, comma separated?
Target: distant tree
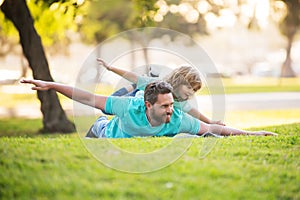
{"x": 182, "y": 20}
{"x": 289, "y": 27}
{"x": 54, "y": 117}
{"x": 103, "y": 20}
{"x": 186, "y": 17}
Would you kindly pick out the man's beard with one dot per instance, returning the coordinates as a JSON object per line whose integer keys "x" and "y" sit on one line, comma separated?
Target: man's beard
{"x": 166, "y": 118}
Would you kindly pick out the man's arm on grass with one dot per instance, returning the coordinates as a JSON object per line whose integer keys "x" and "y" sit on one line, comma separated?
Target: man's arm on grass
{"x": 228, "y": 131}
{"x": 76, "y": 94}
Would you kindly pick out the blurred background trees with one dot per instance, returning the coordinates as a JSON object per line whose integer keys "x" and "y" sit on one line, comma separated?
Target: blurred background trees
{"x": 60, "y": 22}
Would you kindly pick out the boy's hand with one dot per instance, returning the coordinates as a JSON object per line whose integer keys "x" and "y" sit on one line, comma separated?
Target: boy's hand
{"x": 103, "y": 63}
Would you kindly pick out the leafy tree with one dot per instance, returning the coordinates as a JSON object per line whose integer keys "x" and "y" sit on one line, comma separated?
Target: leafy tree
{"x": 104, "y": 19}
{"x": 46, "y": 15}
{"x": 54, "y": 118}
{"x": 289, "y": 27}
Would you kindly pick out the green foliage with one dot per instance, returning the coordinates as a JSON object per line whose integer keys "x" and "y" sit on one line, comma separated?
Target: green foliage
{"x": 103, "y": 19}
{"x": 9, "y": 37}
{"x": 7, "y": 28}
{"x": 106, "y": 18}
{"x": 143, "y": 13}
{"x": 59, "y": 167}
{"x": 55, "y": 22}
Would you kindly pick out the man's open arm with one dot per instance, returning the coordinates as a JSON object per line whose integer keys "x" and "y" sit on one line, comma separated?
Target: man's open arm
{"x": 228, "y": 131}
{"x": 76, "y": 94}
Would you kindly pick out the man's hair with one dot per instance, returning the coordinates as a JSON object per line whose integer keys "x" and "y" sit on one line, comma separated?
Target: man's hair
{"x": 185, "y": 75}
{"x": 153, "y": 89}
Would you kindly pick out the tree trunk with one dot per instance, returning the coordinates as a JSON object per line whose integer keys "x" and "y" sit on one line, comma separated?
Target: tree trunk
{"x": 54, "y": 117}
{"x": 286, "y": 69}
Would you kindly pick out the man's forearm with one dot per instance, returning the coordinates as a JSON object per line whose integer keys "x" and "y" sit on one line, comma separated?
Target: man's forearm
{"x": 79, "y": 95}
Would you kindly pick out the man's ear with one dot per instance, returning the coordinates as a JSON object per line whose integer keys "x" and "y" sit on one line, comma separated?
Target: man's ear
{"x": 148, "y": 104}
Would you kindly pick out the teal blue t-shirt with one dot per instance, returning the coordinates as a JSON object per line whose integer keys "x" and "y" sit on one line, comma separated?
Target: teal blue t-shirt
{"x": 131, "y": 120}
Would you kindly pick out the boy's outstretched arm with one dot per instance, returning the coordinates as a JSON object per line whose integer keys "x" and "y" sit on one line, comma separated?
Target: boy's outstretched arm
{"x": 76, "y": 94}
{"x": 130, "y": 76}
{"x": 198, "y": 115}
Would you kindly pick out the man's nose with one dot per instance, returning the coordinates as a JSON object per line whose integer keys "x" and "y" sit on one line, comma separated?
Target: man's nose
{"x": 169, "y": 109}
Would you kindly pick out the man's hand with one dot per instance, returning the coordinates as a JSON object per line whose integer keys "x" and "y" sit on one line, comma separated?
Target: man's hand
{"x": 39, "y": 85}
{"x": 265, "y": 133}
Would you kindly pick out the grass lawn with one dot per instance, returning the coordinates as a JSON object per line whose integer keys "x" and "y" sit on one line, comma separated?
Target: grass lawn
{"x": 34, "y": 166}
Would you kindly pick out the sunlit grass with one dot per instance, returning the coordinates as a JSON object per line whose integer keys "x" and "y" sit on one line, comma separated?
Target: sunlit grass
{"x": 59, "y": 167}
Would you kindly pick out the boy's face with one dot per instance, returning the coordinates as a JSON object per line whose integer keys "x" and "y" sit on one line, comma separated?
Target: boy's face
{"x": 184, "y": 92}
{"x": 162, "y": 110}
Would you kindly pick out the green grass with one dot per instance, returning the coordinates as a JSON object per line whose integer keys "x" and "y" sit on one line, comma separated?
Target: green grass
{"x": 35, "y": 166}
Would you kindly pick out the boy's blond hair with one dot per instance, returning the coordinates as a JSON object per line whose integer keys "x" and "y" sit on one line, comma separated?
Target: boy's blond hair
{"x": 185, "y": 75}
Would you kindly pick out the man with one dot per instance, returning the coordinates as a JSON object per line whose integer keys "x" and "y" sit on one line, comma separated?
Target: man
{"x": 153, "y": 115}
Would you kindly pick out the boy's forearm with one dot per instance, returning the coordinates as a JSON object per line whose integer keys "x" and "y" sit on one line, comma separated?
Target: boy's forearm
{"x": 130, "y": 76}
{"x": 198, "y": 115}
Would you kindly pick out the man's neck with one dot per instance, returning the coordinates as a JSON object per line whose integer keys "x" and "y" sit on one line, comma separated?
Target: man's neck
{"x": 151, "y": 121}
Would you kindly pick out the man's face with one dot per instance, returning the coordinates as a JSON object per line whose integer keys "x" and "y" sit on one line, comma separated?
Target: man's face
{"x": 161, "y": 111}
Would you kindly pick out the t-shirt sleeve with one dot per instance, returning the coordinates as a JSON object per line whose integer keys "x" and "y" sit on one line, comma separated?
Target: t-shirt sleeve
{"x": 117, "y": 105}
{"x": 143, "y": 82}
{"x": 189, "y": 124}
{"x": 185, "y": 106}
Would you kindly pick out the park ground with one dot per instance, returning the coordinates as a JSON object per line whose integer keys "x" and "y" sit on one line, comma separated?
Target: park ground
{"x": 56, "y": 166}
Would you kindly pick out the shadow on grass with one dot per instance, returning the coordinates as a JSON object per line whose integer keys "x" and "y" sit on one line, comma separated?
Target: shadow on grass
{"x": 22, "y": 127}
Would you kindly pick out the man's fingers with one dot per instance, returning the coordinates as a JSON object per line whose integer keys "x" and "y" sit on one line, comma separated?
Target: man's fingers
{"x": 270, "y": 134}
